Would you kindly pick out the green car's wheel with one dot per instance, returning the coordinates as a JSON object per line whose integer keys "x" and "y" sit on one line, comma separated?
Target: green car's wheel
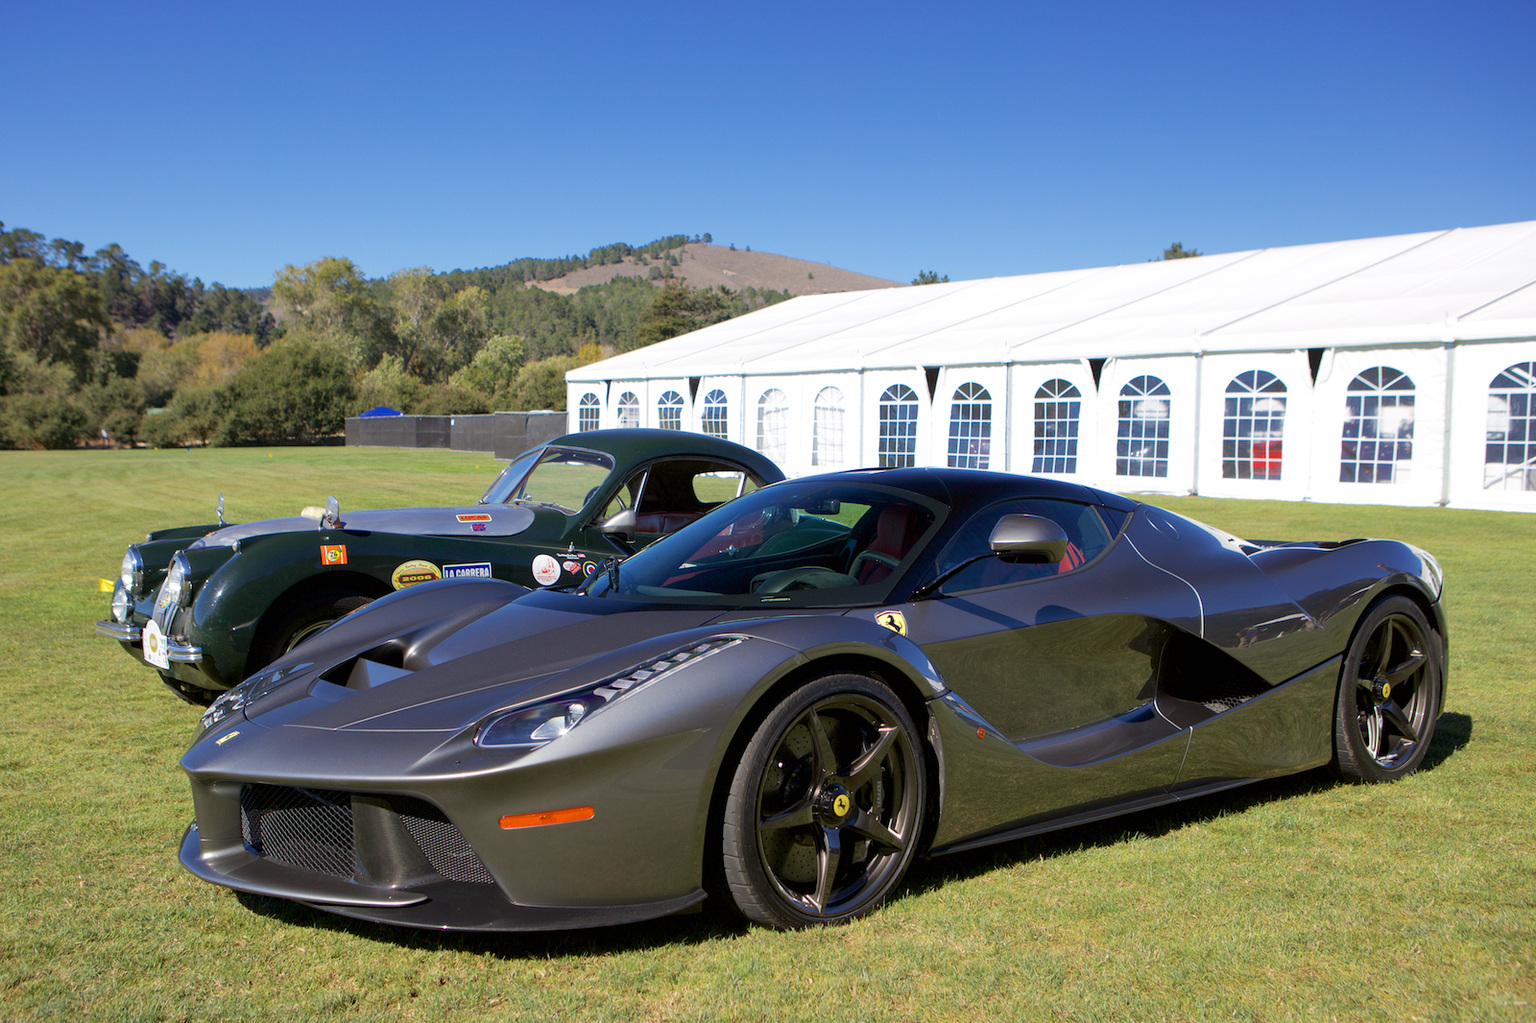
{"x": 297, "y": 621}
{"x": 1389, "y": 693}
{"x": 826, "y": 807}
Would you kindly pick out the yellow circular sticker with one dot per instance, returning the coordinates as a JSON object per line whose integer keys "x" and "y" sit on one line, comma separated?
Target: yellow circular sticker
{"x": 840, "y": 804}
{"x": 413, "y": 572}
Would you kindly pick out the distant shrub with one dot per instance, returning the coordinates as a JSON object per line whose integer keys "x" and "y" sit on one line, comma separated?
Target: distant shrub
{"x": 298, "y": 390}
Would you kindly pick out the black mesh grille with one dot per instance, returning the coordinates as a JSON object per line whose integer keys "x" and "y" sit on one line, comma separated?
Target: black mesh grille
{"x": 311, "y": 829}
{"x": 308, "y": 829}
{"x": 441, "y": 842}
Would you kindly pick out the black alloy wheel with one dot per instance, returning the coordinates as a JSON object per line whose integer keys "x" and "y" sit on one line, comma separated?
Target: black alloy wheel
{"x": 826, "y": 807}
{"x": 1390, "y": 693}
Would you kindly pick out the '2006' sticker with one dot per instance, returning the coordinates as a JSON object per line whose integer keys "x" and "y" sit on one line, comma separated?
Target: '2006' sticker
{"x": 413, "y": 572}
{"x": 546, "y": 570}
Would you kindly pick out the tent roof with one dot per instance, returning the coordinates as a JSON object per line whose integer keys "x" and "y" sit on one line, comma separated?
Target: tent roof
{"x": 1463, "y": 284}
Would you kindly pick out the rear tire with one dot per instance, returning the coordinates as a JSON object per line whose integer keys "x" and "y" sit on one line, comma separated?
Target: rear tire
{"x": 1389, "y": 693}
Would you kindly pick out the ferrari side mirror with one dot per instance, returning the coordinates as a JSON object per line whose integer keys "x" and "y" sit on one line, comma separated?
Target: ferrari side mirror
{"x": 1028, "y": 538}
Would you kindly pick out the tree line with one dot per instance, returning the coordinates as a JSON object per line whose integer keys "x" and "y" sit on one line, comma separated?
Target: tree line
{"x": 97, "y": 346}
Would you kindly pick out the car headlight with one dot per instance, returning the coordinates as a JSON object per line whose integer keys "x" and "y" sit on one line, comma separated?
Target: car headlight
{"x": 132, "y": 572}
{"x": 538, "y": 723}
{"x": 122, "y": 604}
{"x": 178, "y": 582}
{"x": 234, "y": 700}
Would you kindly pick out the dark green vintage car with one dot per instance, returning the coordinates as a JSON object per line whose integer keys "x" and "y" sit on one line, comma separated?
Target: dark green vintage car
{"x": 208, "y": 605}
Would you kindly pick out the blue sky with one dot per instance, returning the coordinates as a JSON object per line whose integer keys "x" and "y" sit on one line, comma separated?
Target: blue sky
{"x": 976, "y": 140}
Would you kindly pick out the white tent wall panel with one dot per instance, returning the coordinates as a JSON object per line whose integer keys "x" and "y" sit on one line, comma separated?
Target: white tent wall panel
{"x": 1397, "y": 456}
{"x": 1025, "y": 383}
{"x": 975, "y": 450}
{"x": 1144, "y": 452}
{"x": 658, "y": 387}
{"x": 875, "y": 384}
{"x": 778, "y": 425}
{"x": 1288, "y": 452}
{"x": 843, "y": 397}
{"x": 1478, "y": 421}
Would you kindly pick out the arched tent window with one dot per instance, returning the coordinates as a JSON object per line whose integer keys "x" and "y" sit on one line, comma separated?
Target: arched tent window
{"x": 970, "y": 427}
{"x": 1058, "y": 410}
{"x": 1510, "y": 459}
{"x": 1252, "y": 424}
{"x": 827, "y": 429}
{"x": 587, "y": 412}
{"x": 629, "y": 409}
{"x": 898, "y": 426}
{"x": 1141, "y": 444}
{"x": 773, "y": 424}
{"x": 669, "y": 411}
{"x": 1378, "y": 428}
{"x": 714, "y": 414}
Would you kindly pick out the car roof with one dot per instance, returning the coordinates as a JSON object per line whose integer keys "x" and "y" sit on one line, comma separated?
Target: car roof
{"x": 639, "y": 444}
{"x": 978, "y": 487}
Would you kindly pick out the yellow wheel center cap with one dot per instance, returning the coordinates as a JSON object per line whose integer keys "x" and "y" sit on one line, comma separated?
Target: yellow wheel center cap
{"x": 842, "y": 804}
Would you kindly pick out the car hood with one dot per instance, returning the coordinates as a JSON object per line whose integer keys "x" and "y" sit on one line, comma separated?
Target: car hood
{"x": 432, "y": 679}
{"x": 467, "y": 520}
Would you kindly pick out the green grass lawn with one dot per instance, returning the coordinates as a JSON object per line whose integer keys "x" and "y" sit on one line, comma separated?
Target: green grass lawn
{"x": 1294, "y": 899}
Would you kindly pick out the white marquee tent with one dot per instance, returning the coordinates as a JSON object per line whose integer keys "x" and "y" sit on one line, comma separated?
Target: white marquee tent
{"x": 1395, "y": 370}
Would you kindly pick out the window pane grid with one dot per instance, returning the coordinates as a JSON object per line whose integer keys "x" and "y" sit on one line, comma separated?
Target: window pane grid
{"x": 1141, "y": 445}
{"x": 898, "y": 427}
{"x": 827, "y": 429}
{"x": 1509, "y": 462}
{"x": 587, "y": 413}
{"x": 773, "y": 425}
{"x": 629, "y": 410}
{"x": 1377, "y": 444}
{"x": 1056, "y": 424}
{"x": 1252, "y": 426}
{"x": 714, "y": 414}
{"x": 970, "y": 427}
{"x": 669, "y": 411}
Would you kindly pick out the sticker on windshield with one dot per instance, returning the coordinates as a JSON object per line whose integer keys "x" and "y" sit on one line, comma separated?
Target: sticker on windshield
{"x": 482, "y": 570}
{"x": 546, "y": 570}
{"x": 893, "y": 620}
{"x": 413, "y": 572}
{"x": 333, "y": 554}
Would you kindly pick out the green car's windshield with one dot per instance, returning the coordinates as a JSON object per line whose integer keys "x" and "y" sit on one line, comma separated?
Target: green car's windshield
{"x": 812, "y": 543}
{"x": 559, "y": 477}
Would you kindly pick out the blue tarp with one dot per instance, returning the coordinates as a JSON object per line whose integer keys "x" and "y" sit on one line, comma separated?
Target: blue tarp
{"x": 379, "y": 410}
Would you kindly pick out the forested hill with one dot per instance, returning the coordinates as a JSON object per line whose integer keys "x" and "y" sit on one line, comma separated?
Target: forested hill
{"x": 100, "y": 346}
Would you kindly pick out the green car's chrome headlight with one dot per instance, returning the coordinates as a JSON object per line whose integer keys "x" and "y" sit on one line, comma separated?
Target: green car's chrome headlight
{"x": 541, "y": 722}
{"x": 177, "y": 590}
{"x": 132, "y": 571}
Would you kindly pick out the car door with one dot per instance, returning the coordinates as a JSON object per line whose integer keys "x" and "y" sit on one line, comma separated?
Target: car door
{"x": 1059, "y": 666}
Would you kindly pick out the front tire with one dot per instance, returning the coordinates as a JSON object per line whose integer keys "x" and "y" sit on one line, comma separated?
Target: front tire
{"x": 1389, "y": 694}
{"x": 298, "y": 621}
{"x": 826, "y": 806}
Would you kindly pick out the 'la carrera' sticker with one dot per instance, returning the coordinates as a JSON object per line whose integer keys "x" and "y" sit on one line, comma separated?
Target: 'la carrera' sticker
{"x": 480, "y": 570}
{"x": 413, "y": 572}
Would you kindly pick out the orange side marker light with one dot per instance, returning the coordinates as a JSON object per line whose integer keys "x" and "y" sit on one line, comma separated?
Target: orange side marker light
{"x": 534, "y": 820}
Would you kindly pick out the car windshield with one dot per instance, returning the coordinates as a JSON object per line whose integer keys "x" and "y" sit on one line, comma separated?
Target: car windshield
{"x": 807, "y": 543}
{"x": 562, "y": 478}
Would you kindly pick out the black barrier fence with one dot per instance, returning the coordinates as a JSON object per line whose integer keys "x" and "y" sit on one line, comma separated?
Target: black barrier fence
{"x": 507, "y": 434}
